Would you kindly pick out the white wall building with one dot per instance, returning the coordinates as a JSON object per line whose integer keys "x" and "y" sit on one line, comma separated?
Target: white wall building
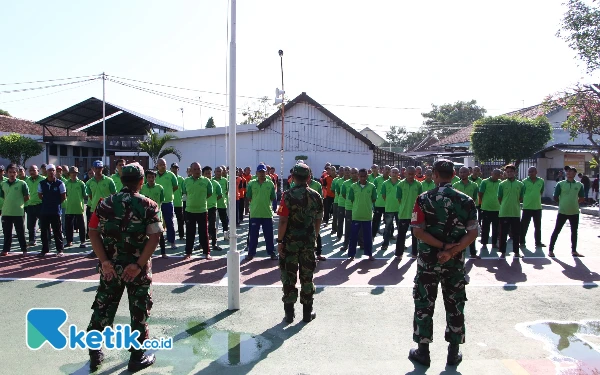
{"x": 310, "y": 130}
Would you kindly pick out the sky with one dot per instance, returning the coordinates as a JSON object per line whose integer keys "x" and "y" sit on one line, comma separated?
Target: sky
{"x": 377, "y": 63}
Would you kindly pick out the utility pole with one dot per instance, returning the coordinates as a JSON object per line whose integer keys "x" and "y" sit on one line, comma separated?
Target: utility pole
{"x": 182, "y": 120}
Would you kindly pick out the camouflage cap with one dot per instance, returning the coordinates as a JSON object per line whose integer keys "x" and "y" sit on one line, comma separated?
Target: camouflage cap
{"x": 133, "y": 170}
{"x": 443, "y": 165}
{"x": 301, "y": 170}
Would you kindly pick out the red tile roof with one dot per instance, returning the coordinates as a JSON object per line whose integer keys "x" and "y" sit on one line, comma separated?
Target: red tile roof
{"x": 17, "y": 125}
{"x": 461, "y": 136}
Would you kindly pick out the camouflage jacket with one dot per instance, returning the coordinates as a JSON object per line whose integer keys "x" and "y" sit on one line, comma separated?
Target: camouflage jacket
{"x": 303, "y": 206}
{"x": 446, "y": 214}
{"x": 125, "y": 221}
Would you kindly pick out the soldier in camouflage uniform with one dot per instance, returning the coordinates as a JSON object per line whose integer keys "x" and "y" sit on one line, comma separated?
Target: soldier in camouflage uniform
{"x": 124, "y": 232}
{"x": 445, "y": 222}
{"x": 300, "y": 214}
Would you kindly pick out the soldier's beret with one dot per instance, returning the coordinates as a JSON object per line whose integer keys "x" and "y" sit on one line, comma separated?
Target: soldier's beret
{"x": 133, "y": 170}
{"x": 443, "y": 165}
{"x": 301, "y": 170}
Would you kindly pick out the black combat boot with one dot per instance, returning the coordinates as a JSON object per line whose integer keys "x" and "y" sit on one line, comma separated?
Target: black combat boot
{"x": 96, "y": 358}
{"x": 308, "y": 315}
{"x": 289, "y": 312}
{"x": 454, "y": 355}
{"x": 139, "y": 361}
{"x": 420, "y": 354}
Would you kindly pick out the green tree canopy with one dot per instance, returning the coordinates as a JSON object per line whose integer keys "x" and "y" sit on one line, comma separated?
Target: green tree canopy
{"x": 4, "y": 113}
{"x": 447, "y": 119}
{"x": 510, "y": 139}
{"x": 210, "y": 123}
{"x": 580, "y": 27}
{"x": 18, "y": 149}
{"x": 256, "y": 112}
{"x": 400, "y": 139}
{"x": 154, "y": 146}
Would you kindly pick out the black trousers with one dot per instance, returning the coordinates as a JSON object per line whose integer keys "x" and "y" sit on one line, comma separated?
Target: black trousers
{"x": 327, "y": 205}
{"x": 403, "y": 226}
{"x": 180, "y": 222}
{"x": 54, "y": 222}
{"x": 33, "y": 215}
{"x": 479, "y": 215}
{"x": 510, "y": 225}
{"x": 341, "y": 220}
{"x": 7, "y": 226}
{"x": 377, "y": 214}
{"x": 536, "y": 215}
{"x": 74, "y": 221}
{"x": 212, "y": 225}
{"x": 561, "y": 219}
{"x": 489, "y": 218}
{"x": 319, "y": 248}
{"x": 240, "y": 210}
{"x": 224, "y": 217}
{"x": 201, "y": 220}
{"x": 334, "y": 216}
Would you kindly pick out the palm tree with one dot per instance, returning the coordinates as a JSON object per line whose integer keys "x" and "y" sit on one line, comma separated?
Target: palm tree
{"x": 154, "y": 146}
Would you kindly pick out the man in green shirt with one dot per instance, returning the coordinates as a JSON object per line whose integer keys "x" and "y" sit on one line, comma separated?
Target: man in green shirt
{"x": 428, "y": 183}
{"x": 223, "y": 202}
{"x": 260, "y": 193}
{"x": 510, "y": 196}
{"x": 392, "y": 206}
{"x": 15, "y": 193}
{"x": 348, "y": 206}
{"x": 362, "y": 195}
{"x": 568, "y": 193}
{"x": 533, "y": 188}
{"x": 178, "y": 201}
{"x": 168, "y": 181}
{"x": 341, "y": 215}
{"x": 197, "y": 190}
{"x": 211, "y": 205}
{"x": 96, "y": 188}
{"x": 488, "y": 197}
{"x": 471, "y": 189}
{"x": 74, "y": 208}
{"x": 2, "y": 178}
{"x": 117, "y": 176}
{"x": 407, "y": 192}
{"x": 156, "y": 193}
{"x": 379, "y": 209}
{"x": 34, "y": 204}
{"x": 476, "y": 178}
{"x": 339, "y": 176}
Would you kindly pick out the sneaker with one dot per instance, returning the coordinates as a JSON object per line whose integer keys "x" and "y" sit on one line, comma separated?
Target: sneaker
{"x": 217, "y": 248}
{"x": 321, "y": 258}
{"x": 173, "y": 246}
{"x": 274, "y": 257}
{"x": 577, "y": 255}
{"x": 138, "y": 363}
{"x": 82, "y": 246}
{"x": 4, "y": 253}
{"x": 60, "y": 254}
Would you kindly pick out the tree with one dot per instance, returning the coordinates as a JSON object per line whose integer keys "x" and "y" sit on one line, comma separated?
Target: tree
{"x": 398, "y": 137}
{"x": 210, "y": 123}
{"x": 18, "y": 149}
{"x": 256, "y": 112}
{"x": 583, "y": 104}
{"x": 4, "y": 113}
{"x": 509, "y": 138}
{"x": 154, "y": 146}
{"x": 446, "y": 119}
{"x": 580, "y": 27}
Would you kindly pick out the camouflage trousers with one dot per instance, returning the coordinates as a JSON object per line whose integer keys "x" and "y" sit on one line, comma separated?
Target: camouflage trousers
{"x": 452, "y": 278}
{"x": 109, "y": 295}
{"x": 298, "y": 261}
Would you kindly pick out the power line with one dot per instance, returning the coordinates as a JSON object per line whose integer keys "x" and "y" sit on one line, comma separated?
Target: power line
{"x": 52, "y": 93}
{"x": 46, "y": 87}
{"x": 49, "y": 80}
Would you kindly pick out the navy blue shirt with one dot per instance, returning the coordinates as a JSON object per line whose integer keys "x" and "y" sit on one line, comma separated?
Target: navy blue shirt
{"x": 51, "y": 196}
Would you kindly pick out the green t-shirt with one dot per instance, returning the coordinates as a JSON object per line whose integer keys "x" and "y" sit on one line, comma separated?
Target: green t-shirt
{"x": 478, "y": 181}
{"x": 407, "y": 196}
{"x": 470, "y": 189}
{"x": 117, "y": 180}
{"x": 32, "y": 185}
{"x": 345, "y": 190}
{"x": 334, "y": 185}
{"x": 455, "y": 179}
{"x": 156, "y": 193}
{"x": 168, "y": 181}
{"x": 489, "y": 189}
{"x": 362, "y": 199}
{"x": 177, "y": 200}
{"x": 261, "y": 196}
{"x": 99, "y": 189}
{"x": 316, "y": 187}
{"x": 341, "y": 199}
{"x": 511, "y": 193}
{"x": 75, "y": 197}
{"x": 14, "y": 197}
{"x": 389, "y": 190}
{"x": 2, "y": 199}
{"x": 378, "y": 182}
{"x": 532, "y": 193}
{"x": 223, "y": 202}
{"x": 427, "y": 185}
{"x": 196, "y": 191}
{"x": 568, "y": 194}
{"x": 211, "y": 202}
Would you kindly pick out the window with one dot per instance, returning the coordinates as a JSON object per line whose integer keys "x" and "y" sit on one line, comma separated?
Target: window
{"x": 53, "y": 150}
{"x": 63, "y": 150}
{"x": 84, "y": 152}
{"x": 76, "y": 151}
